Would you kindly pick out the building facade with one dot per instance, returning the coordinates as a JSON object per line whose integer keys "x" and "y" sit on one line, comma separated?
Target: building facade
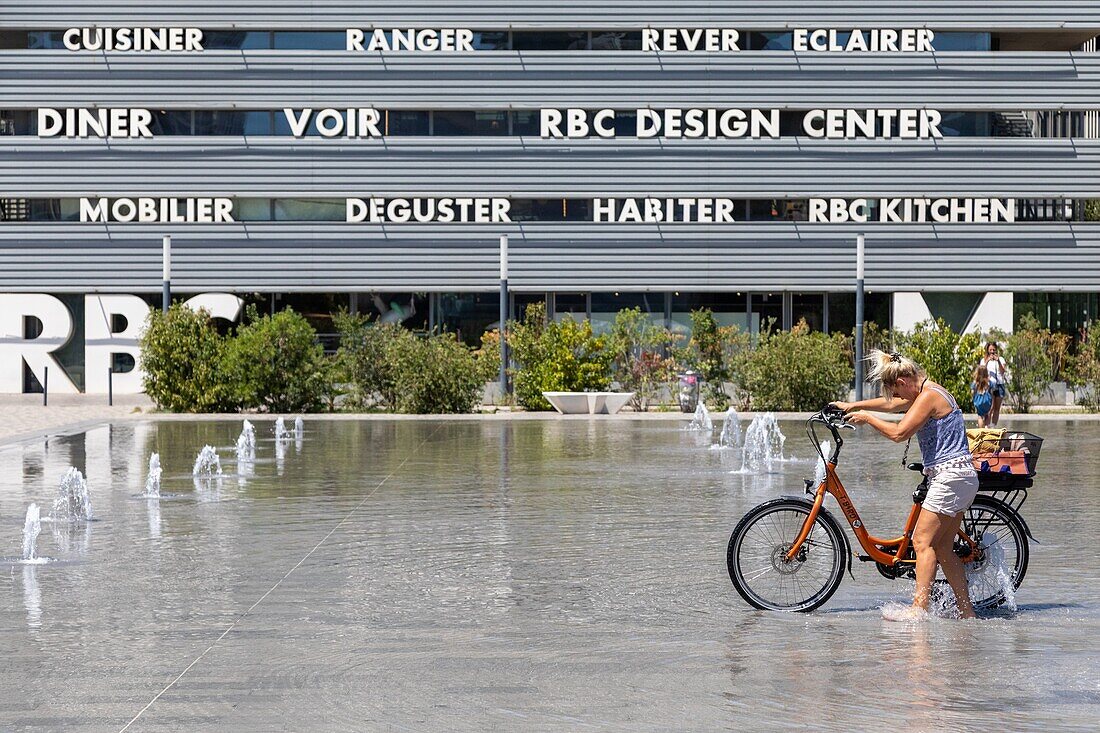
{"x": 667, "y": 156}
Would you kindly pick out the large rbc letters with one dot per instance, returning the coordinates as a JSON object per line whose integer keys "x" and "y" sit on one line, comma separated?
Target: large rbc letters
{"x": 112, "y": 326}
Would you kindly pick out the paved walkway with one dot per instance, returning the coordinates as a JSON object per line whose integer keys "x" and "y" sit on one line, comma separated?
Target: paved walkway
{"x": 24, "y": 416}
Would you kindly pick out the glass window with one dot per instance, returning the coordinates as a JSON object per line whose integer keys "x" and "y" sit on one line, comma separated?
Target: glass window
{"x": 220, "y": 40}
{"x": 45, "y": 40}
{"x": 457, "y": 122}
{"x": 767, "y": 41}
{"x": 14, "y": 40}
{"x": 605, "y": 306}
{"x": 18, "y": 122}
{"x": 490, "y": 40}
{"x": 248, "y": 209}
{"x": 310, "y": 210}
{"x": 626, "y": 123}
{"x": 728, "y": 309}
{"x": 966, "y": 124}
{"x": 962, "y": 41}
{"x": 233, "y": 122}
{"x": 769, "y": 308}
{"x": 549, "y": 40}
{"x": 616, "y": 40}
{"x": 469, "y": 315}
{"x": 171, "y": 122}
{"x": 578, "y": 209}
{"x": 526, "y": 122}
{"x": 318, "y": 309}
{"x": 310, "y": 40}
{"x": 810, "y": 308}
{"x": 571, "y": 304}
{"x": 520, "y": 302}
{"x": 406, "y": 122}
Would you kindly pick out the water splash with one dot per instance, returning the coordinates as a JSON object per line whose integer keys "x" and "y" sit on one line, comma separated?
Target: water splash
{"x": 246, "y": 443}
{"x": 207, "y": 463}
{"x": 73, "y": 503}
{"x": 701, "y": 420}
{"x": 763, "y": 444}
{"x": 819, "y": 469}
{"x": 32, "y": 526}
{"x": 152, "y": 479}
{"x": 280, "y": 429}
{"x": 730, "y": 437}
{"x": 299, "y": 432}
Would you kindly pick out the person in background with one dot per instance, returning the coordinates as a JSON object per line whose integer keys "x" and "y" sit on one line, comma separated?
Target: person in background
{"x": 998, "y": 377}
{"x": 982, "y": 397}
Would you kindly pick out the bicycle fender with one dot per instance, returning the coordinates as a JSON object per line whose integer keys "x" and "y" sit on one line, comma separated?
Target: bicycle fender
{"x": 1019, "y": 517}
{"x": 830, "y": 518}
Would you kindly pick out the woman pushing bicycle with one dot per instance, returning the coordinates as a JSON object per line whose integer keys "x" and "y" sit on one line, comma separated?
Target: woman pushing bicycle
{"x": 933, "y": 416}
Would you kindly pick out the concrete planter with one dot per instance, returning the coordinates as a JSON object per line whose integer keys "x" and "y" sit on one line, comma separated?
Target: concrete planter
{"x": 588, "y": 403}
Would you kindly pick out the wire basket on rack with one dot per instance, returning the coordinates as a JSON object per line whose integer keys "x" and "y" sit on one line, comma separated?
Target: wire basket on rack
{"x": 1014, "y": 452}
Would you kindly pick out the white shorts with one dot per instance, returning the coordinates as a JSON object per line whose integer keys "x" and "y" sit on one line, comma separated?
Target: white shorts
{"x": 952, "y": 486}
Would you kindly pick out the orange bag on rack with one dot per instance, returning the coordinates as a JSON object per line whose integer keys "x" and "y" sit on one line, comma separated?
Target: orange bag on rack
{"x": 1007, "y": 461}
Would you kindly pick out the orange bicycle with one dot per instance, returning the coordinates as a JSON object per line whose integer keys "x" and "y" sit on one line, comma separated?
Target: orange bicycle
{"x": 789, "y": 554}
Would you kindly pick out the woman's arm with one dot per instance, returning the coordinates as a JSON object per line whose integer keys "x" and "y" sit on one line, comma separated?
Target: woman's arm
{"x": 878, "y": 404}
{"x": 904, "y": 429}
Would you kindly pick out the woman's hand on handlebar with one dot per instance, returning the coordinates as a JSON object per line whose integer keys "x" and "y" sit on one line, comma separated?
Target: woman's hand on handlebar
{"x": 842, "y": 406}
{"x": 857, "y": 418}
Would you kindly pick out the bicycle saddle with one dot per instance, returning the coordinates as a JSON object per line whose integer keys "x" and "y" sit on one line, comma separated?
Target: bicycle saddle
{"x": 915, "y": 466}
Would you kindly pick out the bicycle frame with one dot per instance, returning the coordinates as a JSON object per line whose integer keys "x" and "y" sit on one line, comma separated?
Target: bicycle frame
{"x": 889, "y": 552}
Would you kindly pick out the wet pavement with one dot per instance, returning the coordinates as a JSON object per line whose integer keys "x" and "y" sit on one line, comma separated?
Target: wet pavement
{"x": 550, "y": 575}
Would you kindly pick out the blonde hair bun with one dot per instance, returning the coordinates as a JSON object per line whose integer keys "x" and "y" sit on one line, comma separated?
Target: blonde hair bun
{"x": 887, "y": 368}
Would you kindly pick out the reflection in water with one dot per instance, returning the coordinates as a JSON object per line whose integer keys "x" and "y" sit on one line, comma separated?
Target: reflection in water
{"x": 32, "y": 597}
{"x": 569, "y": 573}
{"x": 152, "y": 510}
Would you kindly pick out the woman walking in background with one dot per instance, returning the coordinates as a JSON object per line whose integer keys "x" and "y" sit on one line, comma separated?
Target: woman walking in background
{"x": 998, "y": 376}
{"x": 982, "y": 398}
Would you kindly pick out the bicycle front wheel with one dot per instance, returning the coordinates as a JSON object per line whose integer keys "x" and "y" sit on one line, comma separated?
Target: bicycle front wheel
{"x": 757, "y": 563}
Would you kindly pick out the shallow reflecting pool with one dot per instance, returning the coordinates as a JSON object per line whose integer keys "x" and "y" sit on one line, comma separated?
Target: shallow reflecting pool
{"x": 474, "y": 575}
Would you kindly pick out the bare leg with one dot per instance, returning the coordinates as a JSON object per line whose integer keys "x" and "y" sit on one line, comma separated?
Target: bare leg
{"x": 981, "y": 421}
{"x": 951, "y": 564}
{"x": 995, "y": 411}
{"x": 928, "y": 528}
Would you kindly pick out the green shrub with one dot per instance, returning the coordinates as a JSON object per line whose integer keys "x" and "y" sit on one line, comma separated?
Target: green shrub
{"x": 797, "y": 369}
{"x": 556, "y": 357}
{"x": 438, "y": 374}
{"x": 639, "y": 349}
{"x": 366, "y": 361}
{"x": 182, "y": 358}
{"x": 390, "y": 368}
{"x": 1028, "y": 356}
{"x": 276, "y": 363}
{"x": 1084, "y": 369}
{"x": 706, "y": 353}
{"x": 948, "y": 358}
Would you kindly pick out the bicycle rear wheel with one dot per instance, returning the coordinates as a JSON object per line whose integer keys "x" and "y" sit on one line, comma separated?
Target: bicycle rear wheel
{"x": 757, "y": 564}
{"x": 1003, "y": 552}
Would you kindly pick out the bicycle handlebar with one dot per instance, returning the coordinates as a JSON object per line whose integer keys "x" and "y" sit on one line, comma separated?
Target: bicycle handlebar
{"x": 831, "y": 417}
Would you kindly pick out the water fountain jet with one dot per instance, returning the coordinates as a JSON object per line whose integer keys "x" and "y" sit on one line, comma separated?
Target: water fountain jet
{"x": 730, "y": 437}
{"x": 152, "y": 479}
{"x": 73, "y": 503}
{"x": 763, "y": 444}
{"x": 701, "y": 420}
{"x": 207, "y": 463}
{"x": 32, "y": 526}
